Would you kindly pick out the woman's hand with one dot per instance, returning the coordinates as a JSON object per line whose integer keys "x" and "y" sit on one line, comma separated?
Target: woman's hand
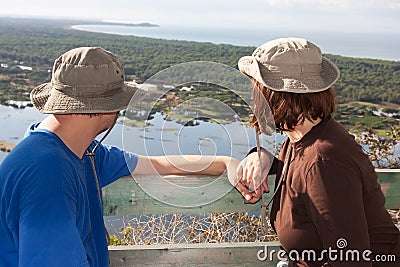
{"x": 232, "y": 165}
{"x": 249, "y": 171}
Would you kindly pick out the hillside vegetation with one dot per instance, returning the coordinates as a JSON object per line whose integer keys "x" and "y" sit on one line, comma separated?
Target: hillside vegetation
{"x": 36, "y": 43}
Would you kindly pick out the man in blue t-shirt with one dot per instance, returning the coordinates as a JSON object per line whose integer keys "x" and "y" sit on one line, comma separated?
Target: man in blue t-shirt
{"x": 50, "y": 184}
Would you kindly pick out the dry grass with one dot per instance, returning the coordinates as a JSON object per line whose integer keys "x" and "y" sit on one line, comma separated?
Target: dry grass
{"x": 187, "y": 228}
{"x": 208, "y": 228}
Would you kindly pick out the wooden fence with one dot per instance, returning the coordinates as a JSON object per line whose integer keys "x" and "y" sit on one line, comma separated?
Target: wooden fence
{"x": 126, "y": 197}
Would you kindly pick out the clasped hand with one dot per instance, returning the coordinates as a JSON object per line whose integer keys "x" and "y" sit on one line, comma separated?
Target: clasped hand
{"x": 251, "y": 178}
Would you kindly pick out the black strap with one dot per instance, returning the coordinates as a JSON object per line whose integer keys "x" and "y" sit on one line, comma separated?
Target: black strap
{"x": 91, "y": 157}
{"x": 264, "y": 206}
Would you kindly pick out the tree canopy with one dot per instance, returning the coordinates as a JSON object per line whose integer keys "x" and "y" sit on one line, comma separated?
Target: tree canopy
{"x": 37, "y": 43}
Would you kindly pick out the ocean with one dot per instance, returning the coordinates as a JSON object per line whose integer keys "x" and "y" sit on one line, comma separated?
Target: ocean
{"x": 361, "y": 45}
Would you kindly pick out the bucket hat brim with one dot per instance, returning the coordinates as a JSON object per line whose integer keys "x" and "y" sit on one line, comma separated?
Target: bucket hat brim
{"x": 276, "y": 81}
{"x": 49, "y": 100}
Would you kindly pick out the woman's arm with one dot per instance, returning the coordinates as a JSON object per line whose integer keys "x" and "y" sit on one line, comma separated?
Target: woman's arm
{"x": 334, "y": 201}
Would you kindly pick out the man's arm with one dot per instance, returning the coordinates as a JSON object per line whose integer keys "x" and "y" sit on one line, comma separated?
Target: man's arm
{"x": 183, "y": 164}
{"x": 193, "y": 165}
{"x": 48, "y": 234}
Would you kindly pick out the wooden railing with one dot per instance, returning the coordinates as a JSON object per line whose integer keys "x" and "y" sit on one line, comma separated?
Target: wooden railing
{"x": 126, "y": 197}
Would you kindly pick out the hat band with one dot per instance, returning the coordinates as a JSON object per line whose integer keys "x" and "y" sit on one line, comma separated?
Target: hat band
{"x": 295, "y": 69}
{"x": 94, "y": 90}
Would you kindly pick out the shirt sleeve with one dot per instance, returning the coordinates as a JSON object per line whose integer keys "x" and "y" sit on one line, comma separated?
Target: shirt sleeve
{"x": 113, "y": 163}
{"x": 335, "y": 203}
{"x": 48, "y": 235}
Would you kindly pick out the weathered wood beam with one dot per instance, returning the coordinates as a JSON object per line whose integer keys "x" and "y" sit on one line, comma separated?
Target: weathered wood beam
{"x": 226, "y": 254}
{"x": 200, "y": 194}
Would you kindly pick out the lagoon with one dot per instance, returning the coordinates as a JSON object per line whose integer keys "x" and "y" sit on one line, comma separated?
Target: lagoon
{"x": 161, "y": 137}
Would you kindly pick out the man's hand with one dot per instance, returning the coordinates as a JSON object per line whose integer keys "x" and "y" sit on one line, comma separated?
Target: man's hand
{"x": 249, "y": 172}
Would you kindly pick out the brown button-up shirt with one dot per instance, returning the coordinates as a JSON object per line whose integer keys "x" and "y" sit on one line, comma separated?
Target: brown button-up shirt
{"x": 330, "y": 203}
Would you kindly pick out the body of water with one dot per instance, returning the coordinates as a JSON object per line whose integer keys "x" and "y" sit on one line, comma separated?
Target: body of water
{"x": 363, "y": 45}
{"x": 160, "y": 138}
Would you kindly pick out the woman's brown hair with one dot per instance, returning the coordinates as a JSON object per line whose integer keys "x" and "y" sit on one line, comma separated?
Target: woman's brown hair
{"x": 291, "y": 109}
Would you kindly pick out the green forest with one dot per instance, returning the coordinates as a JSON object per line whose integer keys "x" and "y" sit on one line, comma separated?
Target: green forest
{"x": 365, "y": 85}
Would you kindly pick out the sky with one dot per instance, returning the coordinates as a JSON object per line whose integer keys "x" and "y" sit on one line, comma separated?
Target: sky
{"x": 259, "y": 15}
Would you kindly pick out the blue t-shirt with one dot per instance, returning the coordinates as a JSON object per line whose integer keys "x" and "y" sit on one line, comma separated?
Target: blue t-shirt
{"x": 50, "y": 213}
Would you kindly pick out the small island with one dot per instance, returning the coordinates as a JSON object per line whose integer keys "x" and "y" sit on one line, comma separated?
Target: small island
{"x": 111, "y": 23}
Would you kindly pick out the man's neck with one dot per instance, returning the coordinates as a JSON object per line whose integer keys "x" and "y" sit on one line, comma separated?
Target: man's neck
{"x": 301, "y": 130}
{"x": 77, "y": 132}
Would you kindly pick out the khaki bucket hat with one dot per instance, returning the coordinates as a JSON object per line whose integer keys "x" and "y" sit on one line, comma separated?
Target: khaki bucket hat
{"x": 292, "y": 65}
{"x": 85, "y": 80}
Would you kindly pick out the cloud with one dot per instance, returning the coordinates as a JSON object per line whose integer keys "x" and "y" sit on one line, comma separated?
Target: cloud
{"x": 255, "y": 15}
{"x": 387, "y": 4}
{"x": 395, "y": 4}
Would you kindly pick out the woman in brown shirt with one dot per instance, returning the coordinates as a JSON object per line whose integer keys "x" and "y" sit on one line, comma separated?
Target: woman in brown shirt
{"x": 328, "y": 208}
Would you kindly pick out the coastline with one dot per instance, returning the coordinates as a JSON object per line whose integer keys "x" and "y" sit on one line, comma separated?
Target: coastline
{"x": 381, "y": 46}
{"x": 106, "y": 23}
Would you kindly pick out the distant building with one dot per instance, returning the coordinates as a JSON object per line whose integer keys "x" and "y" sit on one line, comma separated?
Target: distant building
{"x": 24, "y": 67}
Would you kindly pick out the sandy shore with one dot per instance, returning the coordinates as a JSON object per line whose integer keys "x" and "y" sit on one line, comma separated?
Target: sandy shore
{"x": 6, "y": 146}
